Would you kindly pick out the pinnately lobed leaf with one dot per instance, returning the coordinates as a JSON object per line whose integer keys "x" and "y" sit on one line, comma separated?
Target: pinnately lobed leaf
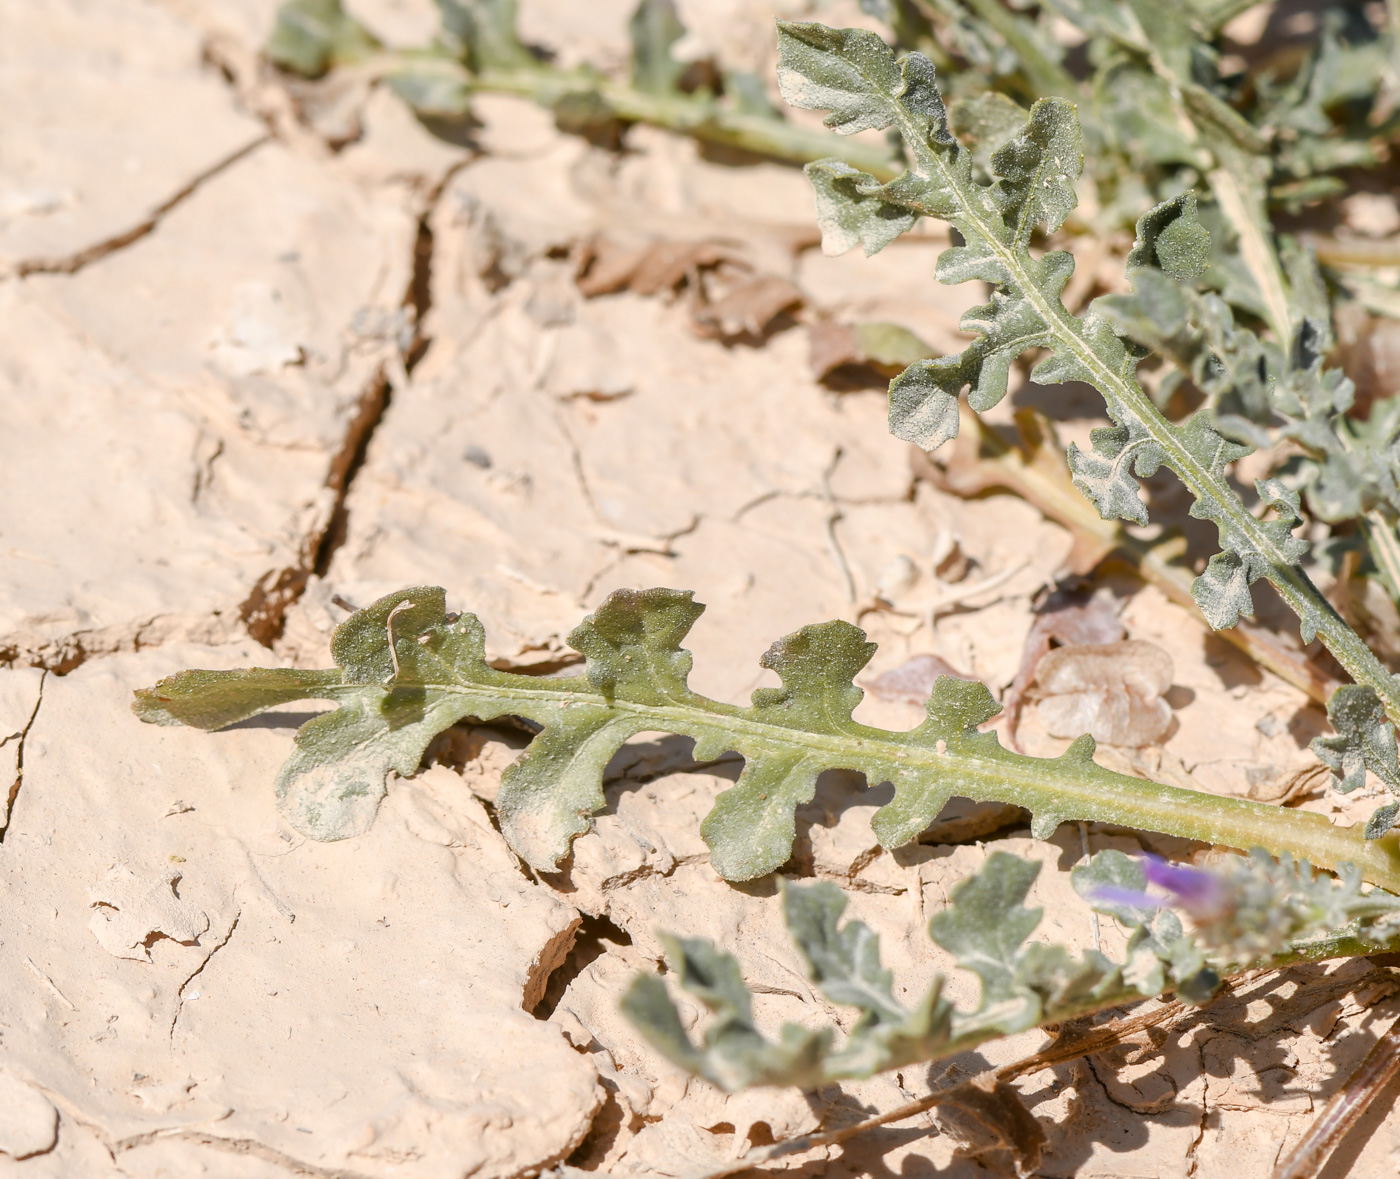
{"x": 407, "y": 670}
{"x": 856, "y": 76}
{"x": 1248, "y": 911}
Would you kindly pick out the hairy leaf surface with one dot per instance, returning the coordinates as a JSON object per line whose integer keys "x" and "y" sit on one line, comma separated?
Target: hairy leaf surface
{"x": 407, "y": 670}
{"x": 856, "y": 76}
{"x": 1265, "y": 910}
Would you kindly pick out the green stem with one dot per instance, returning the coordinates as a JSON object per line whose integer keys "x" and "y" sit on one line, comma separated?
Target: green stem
{"x": 1384, "y": 547}
{"x": 1045, "y": 74}
{"x": 698, "y": 116}
{"x": 1064, "y": 789}
{"x": 1325, "y": 949}
{"x": 1291, "y": 582}
{"x": 1060, "y": 1051}
{"x": 1037, "y": 472}
{"x": 1234, "y": 146}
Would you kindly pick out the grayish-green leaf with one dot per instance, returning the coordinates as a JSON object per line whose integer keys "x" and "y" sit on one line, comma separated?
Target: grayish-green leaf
{"x": 1106, "y": 880}
{"x": 1222, "y": 591}
{"x": 215, "y": 699}
{"x": 1364, "y": 740}
{"x": 482, "y": 34}
{"x": 432, "y": 93}
{"x": 312, "y": 36}
{"x": 1172, "y": 238}
{"x": 986, "y": 924}
{"x": 407, "y": 670}
{"x": 852, "y": 209}
{"x": 853, "y": 74}
{"x": 655, "y": 28}
{"x": 987, "y": 121}
{"x": 734, "y": 1053}
{"x": 1038, "y": 168}
{"x": 1105, "y": 473}
{"x": 1381, "y": 820}
{"x": 857, "y": 77}
{"x": 1263, "y": 910}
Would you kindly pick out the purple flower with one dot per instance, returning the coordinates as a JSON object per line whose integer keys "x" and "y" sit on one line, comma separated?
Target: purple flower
{"x": 1202, "y": 894}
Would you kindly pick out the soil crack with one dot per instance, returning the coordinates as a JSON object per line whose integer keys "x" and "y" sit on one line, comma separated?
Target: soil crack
{"x": 264, "y": 611}
{"x": 241, "y": 1146}
{"x": 20, "y": 739}
{"x": 72, "y": 263}
{"x": 198, "y": 970}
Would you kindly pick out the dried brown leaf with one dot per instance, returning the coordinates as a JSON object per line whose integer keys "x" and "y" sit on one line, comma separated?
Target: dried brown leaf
{"x": 1113, "y": 691}
{"x": 991, "y": 1106}
{"x": 1060, "y": 621}
{"x": 606, "y": 267}
{"x": 749, "y": 308}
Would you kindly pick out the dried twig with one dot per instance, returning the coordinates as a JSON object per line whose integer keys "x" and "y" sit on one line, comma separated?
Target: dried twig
{"x": 1339, "y": 1115}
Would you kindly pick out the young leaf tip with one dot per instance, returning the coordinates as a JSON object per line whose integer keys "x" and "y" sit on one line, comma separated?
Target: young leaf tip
{"x": 853, "y": 74}
{"x": 1171, "y": 237}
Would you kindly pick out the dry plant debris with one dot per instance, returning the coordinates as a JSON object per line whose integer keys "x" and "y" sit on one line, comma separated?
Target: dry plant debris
{"x": 1112, "y": 691}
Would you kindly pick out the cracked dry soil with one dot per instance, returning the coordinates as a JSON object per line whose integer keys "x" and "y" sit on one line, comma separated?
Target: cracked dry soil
{"x": 250, "y": 382}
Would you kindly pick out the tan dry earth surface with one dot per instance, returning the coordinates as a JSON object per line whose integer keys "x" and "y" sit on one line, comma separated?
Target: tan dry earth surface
{"x": 248, "y": 380}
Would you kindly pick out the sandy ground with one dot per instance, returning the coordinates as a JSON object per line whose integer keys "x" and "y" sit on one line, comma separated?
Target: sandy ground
{"x": 249, "y": 381}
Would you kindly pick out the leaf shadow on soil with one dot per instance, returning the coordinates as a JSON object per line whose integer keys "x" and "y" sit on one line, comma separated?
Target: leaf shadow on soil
{"x": 1263, "y": 1015}
{"x": 1246, "y": 1035}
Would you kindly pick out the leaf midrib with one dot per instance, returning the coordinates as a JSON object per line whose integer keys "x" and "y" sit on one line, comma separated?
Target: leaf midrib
{"x": 1302, "y": 596}
{"x": 1046, "y": 786}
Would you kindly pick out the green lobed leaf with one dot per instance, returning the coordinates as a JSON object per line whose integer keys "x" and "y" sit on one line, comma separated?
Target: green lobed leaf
{"x": 843, "y": 961}
{"x": 482, "y": 34}
{"x": 852, "y": 209}
{"x": 1171, "y": 237}
{"x": 1038, "y": 168}
{"x": 1138, "y": 109}
{"x": 856, "y": 74}
{"x": 1364, "y": 740}
{"x": 215, "y": 699}
{"x": 984, "y": 929}
{"x": 655, "y": 28}
{"x": 853, "y": 74}
{"x": 1265, "y": 910}
{"x": 312, "y": 36}
{"x": 987, "y": 121}
{"x": 734, "y": 1053}
{"x": 858, "y": 78}
{"x": 408, "y": 670}
{"x": 1104, "y": 474}
{"x": 1381, "y": 820}
{"x": 432, "y": 93}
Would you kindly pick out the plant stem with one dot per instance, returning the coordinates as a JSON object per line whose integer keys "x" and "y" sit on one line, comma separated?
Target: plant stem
{"x": 1037, "y": 472}
{"x": 1291, "y": 582}
{"x": 1338, "y": 1116}
{"x": 1384, "y": 547}
{"x": 1065, "y": 789}
{"x": 1371, "y": 254}
{"x": 1061, "y": 1051}
{"x": 1045, "y": 74}
{"x": 1234, "y": 146}
{"x": 699, "y": 116}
